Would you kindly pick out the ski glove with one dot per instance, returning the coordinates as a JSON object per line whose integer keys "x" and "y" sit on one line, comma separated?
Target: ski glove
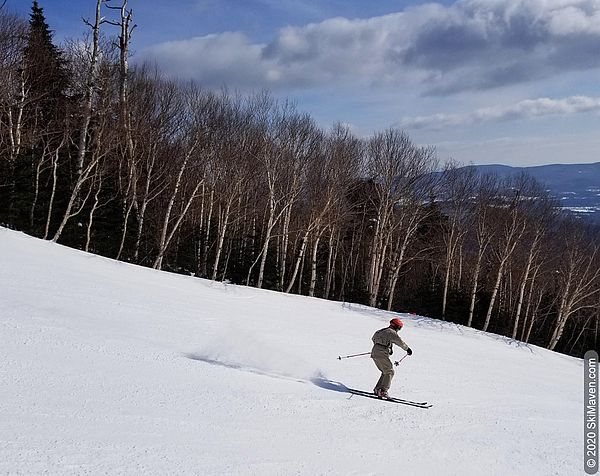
{"x": 409, "y": 351}
{"x": 390, "y": 350}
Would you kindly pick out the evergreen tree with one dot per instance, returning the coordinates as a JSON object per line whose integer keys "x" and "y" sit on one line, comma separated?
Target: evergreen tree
{"x": 45, "y": 72}
{"x": 43, "y": 103}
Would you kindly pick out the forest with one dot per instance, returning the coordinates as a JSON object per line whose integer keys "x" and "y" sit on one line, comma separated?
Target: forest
{"x": 108, "y": 155}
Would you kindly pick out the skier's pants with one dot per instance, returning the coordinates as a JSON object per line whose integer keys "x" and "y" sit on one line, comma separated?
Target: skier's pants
{"x": 384, "y": 364}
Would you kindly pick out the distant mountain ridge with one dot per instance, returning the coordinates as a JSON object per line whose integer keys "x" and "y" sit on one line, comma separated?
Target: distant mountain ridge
{"x": 577, "y": 186}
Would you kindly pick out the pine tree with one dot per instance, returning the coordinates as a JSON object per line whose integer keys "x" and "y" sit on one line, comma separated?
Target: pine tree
{"x": 42, "y": 115}
{"x": 44, "y": 71}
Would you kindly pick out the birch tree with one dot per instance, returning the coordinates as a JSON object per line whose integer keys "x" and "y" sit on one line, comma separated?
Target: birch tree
{"x": 408, "y": 217}
{"x": 459, "y": 186}
{"x": 83, "y": 171}
{"x": 192, "y": 153}
{"x": 578, "y": 279}
{"x": 483, "y": 231}
{"x": 395, "y": 164}
{"x": 235, "y": 167}
{"x": 511, "y": 222}
{"x": 541, "y": 212}
{"x": 289, "y": 143}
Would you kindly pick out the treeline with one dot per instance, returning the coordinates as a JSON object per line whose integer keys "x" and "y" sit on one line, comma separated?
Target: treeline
{"x": 123, "y": 162}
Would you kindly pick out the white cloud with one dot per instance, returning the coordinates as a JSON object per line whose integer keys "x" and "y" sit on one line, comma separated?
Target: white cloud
{"x": 226, "y": 58}
{"x": 470, "y": 45}
{"x": 527, "y": 109}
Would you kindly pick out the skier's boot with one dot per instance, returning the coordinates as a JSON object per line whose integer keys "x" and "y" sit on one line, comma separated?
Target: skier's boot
{"x": 381, "y": 393}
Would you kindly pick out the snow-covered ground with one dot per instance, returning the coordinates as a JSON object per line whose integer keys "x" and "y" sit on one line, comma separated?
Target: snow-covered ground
{"x": 109, "y": 368}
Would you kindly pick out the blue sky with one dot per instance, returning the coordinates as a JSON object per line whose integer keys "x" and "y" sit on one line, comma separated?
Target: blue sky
{"x": 485, "y": 81}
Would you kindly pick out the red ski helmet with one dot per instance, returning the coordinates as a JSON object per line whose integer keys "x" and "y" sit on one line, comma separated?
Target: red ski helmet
{"x": 397, "y": 323}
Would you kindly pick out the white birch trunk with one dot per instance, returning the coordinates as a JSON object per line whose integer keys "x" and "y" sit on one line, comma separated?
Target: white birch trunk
{"x": 91, "y": 217}
{"x": 51, "y": 201}
{"x": 522, "y": 287}
{"x": 163, "y": 249}
{"x": 313, "y": 273}
{"x": 89, "y": 90}
{"x": 221, "y": 239}
{"x": 298, "y": 262}
{"x": 475, "y": 286}
{"x": 165, "y": 228}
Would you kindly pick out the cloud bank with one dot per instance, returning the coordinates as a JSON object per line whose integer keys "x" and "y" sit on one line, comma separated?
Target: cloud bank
{"x": 470, "y": 45}
{"x": 528, "y": 109}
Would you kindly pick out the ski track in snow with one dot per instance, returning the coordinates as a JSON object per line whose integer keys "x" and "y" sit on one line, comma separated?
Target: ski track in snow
{"x": 110, "y": 368}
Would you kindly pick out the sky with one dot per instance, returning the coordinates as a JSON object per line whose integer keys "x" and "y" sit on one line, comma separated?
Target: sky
{"x": 514, "y": 82}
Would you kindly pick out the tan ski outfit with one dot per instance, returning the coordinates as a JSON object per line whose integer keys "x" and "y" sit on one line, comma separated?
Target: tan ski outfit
{"x": 383, "y": 340}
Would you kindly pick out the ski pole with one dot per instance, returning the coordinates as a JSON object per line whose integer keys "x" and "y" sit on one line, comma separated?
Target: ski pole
{"x": 354, "y": 355}
{"x": 398, "y": 361}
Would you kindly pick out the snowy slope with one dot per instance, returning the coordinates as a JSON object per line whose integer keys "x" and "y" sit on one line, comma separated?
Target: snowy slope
{"x": 111, "y": 368}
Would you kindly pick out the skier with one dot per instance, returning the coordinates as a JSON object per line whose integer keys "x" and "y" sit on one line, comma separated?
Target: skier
{"x": 383, "y": 340}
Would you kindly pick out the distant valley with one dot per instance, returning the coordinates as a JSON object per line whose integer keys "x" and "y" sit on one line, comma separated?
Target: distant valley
{"x": 576, "y": 186}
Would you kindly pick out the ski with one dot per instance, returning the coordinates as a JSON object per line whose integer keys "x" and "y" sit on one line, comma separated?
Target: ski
{"x": 390, "y": 399}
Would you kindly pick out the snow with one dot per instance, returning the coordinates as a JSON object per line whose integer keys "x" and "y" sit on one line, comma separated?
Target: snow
{"x": 110, "y": 368}
{"x": 582, "y": 209}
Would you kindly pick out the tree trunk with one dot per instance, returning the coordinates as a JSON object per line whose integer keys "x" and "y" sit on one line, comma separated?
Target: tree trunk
{"x": 163, "y": 236}
{"x": 528, "y": 307}
{"x": 375, "y": 251}
{"x": 449, "y": 259}
{"x": 284, "y": 247}
{"x": 36, "y": 193}
{"x": 207, "y": 234}
{"x": 69, "y": 213}
{"x": 495, "y": 289}
{"x": 223, "y": 231}
{"x": 89, "y": 90}
{"x": 313, "y": 272}
{"x": 298, "y": 262}
{"x": 522, "y": 288}
{"x": 396, "y": 271}
{"x": 141, "y": 210}
{"x": 51, "y": 201}
{"x": 330, "y": 261}
{"x": 124, "y": 233}
{"x": 165, "y": 243}
{"x": 91, "y": 217}
{"x": 533, "y": 318}
{"x": 563, "y": 314}
{"x": 475, "y": 285}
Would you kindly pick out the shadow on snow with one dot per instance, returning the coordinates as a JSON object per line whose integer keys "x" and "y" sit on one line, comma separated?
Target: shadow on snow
{"x": 319, "y": 380}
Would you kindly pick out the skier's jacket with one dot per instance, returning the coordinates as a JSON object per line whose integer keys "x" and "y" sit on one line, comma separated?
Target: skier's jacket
{"x": 383, "y": 340}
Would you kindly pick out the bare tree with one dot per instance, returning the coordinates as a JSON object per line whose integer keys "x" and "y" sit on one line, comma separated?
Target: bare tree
{"x": 408, "y": 217}
{"x": 330, "y": 171}
{"x": 97, "y": 203}
{"x": 84, "y": 171}
{"x": 235, "y": 168}
{"x": 537, "y": 290}
{"x": 128, "y": 145}
{"x": 395, "y": 165}
{"x": 483, "y": 231}
{"x": 12, "y": 87}
{"x": 578, "y": 276}
{"x": 541, "y": 212}
{"x": 90, "y": 84}
{"x": 193, "y": 154}
{"x": 153, "y": 106}
{"x": 459, "y": 187}
{"x": 289, "y": 140}
{"x": 512, "y": 223}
